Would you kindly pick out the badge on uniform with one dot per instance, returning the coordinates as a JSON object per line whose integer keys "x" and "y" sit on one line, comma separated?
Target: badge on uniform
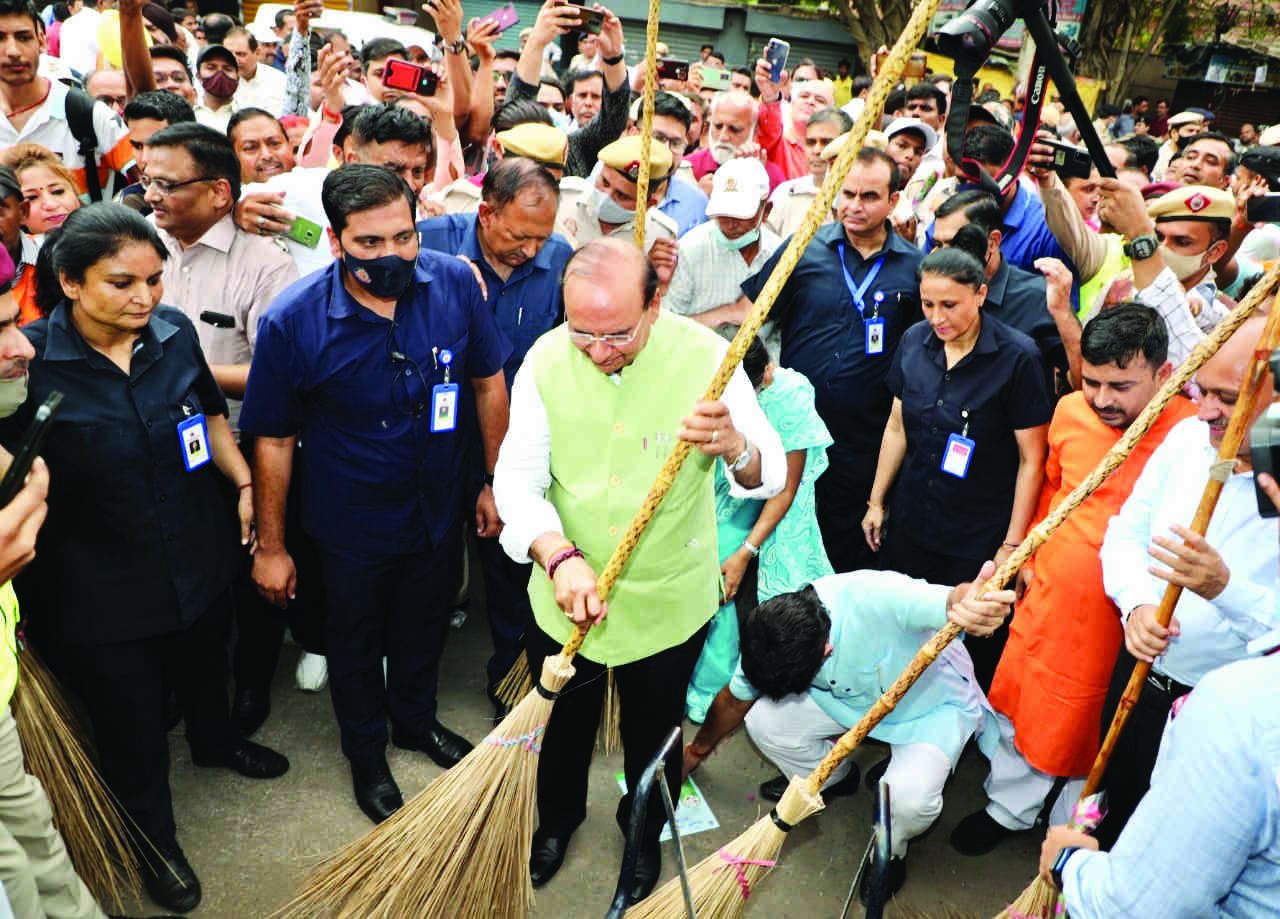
{"x": 956, "y": 458}
{"x": 193, "y": 434}
{"x": 444, "y": 400}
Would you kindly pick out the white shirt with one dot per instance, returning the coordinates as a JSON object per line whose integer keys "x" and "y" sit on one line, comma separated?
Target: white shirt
{"x": 78, "y": 44}
{"x": 264, "y": 91}
{"x": 523, "y": 473}
{"x": 301, "y": 189}
{"x": 1173, "y": 302}
{"x": 1214, "y": 632}
{"x": 217, "y": 119}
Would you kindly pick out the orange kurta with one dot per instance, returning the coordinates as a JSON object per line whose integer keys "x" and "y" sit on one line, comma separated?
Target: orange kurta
{"x": 1065, "y": 633}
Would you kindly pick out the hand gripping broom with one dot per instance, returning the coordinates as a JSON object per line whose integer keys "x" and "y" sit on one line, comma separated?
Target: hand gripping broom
{"x": 1040, "y": 899}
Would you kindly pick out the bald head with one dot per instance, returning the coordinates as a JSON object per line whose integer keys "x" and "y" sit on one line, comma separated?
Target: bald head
{"x": 1220, "y": 381}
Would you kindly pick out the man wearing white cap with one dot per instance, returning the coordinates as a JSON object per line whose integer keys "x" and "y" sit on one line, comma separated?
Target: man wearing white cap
{"x": 1179, "y": 124}
{"x": 717, "y": 256}
{"x": 909, "y": 140}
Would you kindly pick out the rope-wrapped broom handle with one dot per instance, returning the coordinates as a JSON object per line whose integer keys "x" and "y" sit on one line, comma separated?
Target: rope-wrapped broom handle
{"x": 914, "y": 32}
{"x": 1237, "y": 430}
{"x": 1109, "y": 463}
{"x": 646, "y": 128}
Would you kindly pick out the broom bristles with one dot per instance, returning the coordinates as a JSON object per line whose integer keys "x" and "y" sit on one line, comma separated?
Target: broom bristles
{"x": 1038, "y": 901}
{"x": 460, "y": 848}
{"x": 85, "y": 813}
{"x": 722, "y": 882}
{"x": 609, "y": 735}
{"x": 517, "y": 683}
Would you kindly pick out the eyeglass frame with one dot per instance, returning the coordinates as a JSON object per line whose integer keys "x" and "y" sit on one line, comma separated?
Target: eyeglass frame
{"x": 614, "y": 340}
{"x": 165, "y": 188}
{"x": 406, "y": 367}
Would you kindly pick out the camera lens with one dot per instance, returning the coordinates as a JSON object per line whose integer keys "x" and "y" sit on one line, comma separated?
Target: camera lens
{"x": 976, "y": 30}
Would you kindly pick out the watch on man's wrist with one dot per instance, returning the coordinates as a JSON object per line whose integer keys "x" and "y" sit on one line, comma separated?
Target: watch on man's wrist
{"x": 1142, "y": 247}
{"x": 610, "y": 61}
{"x": 459, "y": 46}
{"x": 740, "y": 462}
{"x": 1060, "y": 864}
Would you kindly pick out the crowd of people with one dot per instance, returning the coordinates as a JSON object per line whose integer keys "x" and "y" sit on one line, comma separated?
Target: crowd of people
{"x": 325, "y": 344}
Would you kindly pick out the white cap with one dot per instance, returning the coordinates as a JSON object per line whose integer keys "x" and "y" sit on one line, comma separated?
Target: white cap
{"x": 898, "y": 125}
{"x": 262, "y": 33}
{"x": 1270, "y": 137}
{"x": 738, "y": 189}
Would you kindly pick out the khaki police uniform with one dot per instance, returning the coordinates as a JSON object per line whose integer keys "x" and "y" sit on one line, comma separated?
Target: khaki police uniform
{"x": 576, "y": 223}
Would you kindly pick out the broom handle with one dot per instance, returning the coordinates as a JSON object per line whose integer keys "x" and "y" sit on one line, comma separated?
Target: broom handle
{"x": 1237, "y": 430}
{"x": 646, "y": 128}
{"x": 911, "y": 36}
{"x": 1042, "y": 531}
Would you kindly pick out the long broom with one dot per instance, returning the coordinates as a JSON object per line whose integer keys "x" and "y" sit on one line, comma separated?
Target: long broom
{"x": 85, "y": 813}
{"x": 1040, "y": 899}
{"x": 723, "y": 881}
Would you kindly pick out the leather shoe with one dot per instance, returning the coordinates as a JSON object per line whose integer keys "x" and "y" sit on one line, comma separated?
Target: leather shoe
{"x": 546, "y": 857}
{"x": 376, "y": 791}
{"x": 445, "y": 748}
{"x": 500, "y": 709}
{"x": 170, "y": 880}
{"x": 978, "y": 834}
{"x": 250, "y": 710}
{"x": 648, "y": 867}
{"x": 251, "y": 760}
{"x": 895, "y": 877}
{"x": 773, "y": 789}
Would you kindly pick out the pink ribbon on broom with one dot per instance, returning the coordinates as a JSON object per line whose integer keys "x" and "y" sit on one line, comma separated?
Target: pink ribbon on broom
{"x": 528, "y": 741}
{"x": 738, "y": 861}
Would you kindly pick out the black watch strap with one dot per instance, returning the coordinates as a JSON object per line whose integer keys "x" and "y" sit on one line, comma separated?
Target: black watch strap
{"x": 610, "y": 61}
{"x": 1142, "y": 247}
{"x": 1060, "y": 863}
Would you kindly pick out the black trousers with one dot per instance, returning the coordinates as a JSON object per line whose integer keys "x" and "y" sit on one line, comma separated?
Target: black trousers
{"x": 395, "y": 606}
{"x": 122, "y": 688}
{"x": 1128, "y": 774}
{"x": 841, "y": 494}
{"x": 506, "y": 593}
{"x": 652, "y": 696}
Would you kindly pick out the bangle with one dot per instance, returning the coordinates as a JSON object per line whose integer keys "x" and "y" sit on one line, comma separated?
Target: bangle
{"x": 327, "y": 115}
{"x": 1011, "y": 545}
{"x": 752, "y": 550}
{"x": 560, "y": 557}
{"x": 244, "y": 486}
{"x": 610, "y": 61}
{"x": 696, "y": 755}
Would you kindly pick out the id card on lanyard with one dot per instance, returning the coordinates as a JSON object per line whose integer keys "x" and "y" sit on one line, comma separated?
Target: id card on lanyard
{"x": 959, "y": 451}
{"x": 444, "y": 400}
{"x": 874, "y": 327}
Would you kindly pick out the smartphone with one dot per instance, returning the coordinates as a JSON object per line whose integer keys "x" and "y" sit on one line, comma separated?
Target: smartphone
{"x": 715, "y": 78}
{"x": 218, "y": 320}
{"x": 776, "y": 52}
{"x": 1069, "y": 162}
{"x": 29, "y": 449}
{"x": 409, "y": 77}
{"x": 673, "y": 70}
{"x": 1265, "y": 209}
{"x": 303, "y": 230}
{"x": 589, "y": 21}
{"x": 504, "y": 17}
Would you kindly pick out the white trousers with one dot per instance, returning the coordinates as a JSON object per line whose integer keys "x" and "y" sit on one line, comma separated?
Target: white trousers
{"x": 795, "y": 733}
{"x": 1016, "y": 790}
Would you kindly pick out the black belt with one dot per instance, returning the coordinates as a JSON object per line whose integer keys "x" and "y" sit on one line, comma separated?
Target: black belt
{"x": 1167, "y": 684}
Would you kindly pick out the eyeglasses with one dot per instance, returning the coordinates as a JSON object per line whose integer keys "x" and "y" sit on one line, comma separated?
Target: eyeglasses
{"x": 409, "y": 398}
{"x": 165, "y": 188}
{"x": 612, "y": 339}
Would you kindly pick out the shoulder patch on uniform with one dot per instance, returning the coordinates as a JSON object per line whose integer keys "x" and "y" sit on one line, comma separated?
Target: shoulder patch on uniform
{"x": 662, "y": 220}
{"x": 573, "y": 183}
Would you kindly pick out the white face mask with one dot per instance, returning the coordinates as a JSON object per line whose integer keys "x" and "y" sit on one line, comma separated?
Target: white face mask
{"x": 12, "y": 394}
{"x": 602, "y": 205}
{"x": 1182, "y": 266}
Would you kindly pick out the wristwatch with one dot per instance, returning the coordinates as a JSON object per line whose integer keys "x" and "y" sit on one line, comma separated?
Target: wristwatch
{"x": 1060, "y": 863}
{"x": 610, "y": 61}
{"x": 1142, "y": 248}
{"x": 743, "y": 458}
{"x": 455, "y": 47}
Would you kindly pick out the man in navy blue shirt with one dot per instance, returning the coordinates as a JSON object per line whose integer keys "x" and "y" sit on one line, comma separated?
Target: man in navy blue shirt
{"x": 841, "y": 314}
{"x": 510, "y": 239}
{"x": 366, "y": 360}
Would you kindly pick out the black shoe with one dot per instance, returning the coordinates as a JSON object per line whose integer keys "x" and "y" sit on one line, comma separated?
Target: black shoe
{"x": 251, "y": 760}
{"x": 500, "y": 709}
{"x": 376, "y": 791}
{"x": 546, "y": 857}
{"x": 772, "y": 790}
{"x": 170, "y": 880}
{"x": 445, "y": 748}
{"x": 895, "y": 877}
{"x": 648, "y": 867}
{"x": 250, "y": 710}
{"x": 876, "y": 773}
{"x": 978, "y": 834}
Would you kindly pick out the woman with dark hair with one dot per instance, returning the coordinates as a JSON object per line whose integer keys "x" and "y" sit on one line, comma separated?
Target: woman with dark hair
{"x": 130, "y": 589}
{"x": 965, "y": 441}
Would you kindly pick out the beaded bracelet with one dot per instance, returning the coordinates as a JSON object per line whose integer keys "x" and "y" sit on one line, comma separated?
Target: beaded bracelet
{"x": 568, "y": 552}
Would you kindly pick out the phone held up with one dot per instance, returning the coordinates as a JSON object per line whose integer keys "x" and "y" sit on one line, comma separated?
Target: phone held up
{"x": 29, "y": 449}
{"x": 504, "y": 17}
{"x": 776, "y": 52}
{"x": 410, "y": 78}
{"x": 590, "y": 21}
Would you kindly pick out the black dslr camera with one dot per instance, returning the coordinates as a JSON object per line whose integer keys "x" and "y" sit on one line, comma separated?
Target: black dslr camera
{"x": 1264, "y": 445}
{"x": 973, "y": 33}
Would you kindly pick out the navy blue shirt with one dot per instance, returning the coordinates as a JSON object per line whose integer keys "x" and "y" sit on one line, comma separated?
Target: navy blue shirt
{"x": 526, "y": 304}
{"x": 357, "y": 388}
{"x": 1000, "y": 384}
{"x": 824, "y": 337}
{"x": 1017, "y": 298}
{"x": 134, "y": 546}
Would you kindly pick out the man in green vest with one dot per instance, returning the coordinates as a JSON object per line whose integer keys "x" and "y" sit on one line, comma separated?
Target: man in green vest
{"x": 596, "y": 408}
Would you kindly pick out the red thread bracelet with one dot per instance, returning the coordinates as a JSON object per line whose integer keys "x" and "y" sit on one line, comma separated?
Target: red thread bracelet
{"x": 568, "y": 552}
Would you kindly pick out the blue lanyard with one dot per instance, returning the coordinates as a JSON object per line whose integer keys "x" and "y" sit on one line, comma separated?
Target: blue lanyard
{"x": 859, "y": 292}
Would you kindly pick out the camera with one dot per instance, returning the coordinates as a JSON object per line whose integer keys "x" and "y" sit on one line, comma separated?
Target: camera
{"x": 1264, "y": 445}
{"x": 974, "y": 32}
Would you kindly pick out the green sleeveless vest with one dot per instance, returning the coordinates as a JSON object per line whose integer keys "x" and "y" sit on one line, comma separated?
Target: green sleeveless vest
{"x": 8, "y": 642}
{"x": 609, "y": 437}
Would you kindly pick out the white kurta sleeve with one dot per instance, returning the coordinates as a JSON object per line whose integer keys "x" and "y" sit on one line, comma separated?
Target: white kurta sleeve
{"x": 750, "y": 420}
{"x": 523, "y": 473}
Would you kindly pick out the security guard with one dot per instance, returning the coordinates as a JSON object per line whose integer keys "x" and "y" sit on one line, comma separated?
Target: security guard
{"x": 607, "y": 206}
{"x": 544, "y": 144}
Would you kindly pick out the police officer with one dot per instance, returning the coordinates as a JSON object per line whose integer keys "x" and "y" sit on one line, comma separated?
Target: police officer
{"x": 544, "y": 144}
{"x": 606, "y": 206}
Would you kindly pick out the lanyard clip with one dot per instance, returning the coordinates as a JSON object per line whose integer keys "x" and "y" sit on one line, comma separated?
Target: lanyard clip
{"x": 964, "y": 431}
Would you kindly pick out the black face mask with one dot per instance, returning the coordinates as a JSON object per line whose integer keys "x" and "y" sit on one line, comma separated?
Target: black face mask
{"x": 386, "y": 277}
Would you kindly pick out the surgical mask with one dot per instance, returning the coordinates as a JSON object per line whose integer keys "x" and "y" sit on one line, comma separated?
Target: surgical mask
{"x": 561, "y": 120}
{"x": 736, "y": 245}
{"x": 220, "y": 84}
{"x": 12, "y": 394}
{"x": 386, "y": 277}
{"x": 1182, "y": 266}
{"x": 602, "y": 205}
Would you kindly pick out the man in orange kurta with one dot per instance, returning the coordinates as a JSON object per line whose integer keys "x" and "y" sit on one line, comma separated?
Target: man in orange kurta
{"x": 1065, "y": 634}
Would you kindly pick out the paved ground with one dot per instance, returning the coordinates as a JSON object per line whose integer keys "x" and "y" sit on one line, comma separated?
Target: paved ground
{"x": 252, "y": 842}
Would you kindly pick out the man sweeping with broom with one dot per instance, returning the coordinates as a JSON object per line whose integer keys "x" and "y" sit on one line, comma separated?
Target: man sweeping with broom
{"x": 596, "y": 407}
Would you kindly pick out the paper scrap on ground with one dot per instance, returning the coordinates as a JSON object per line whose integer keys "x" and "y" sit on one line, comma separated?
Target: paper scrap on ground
{"x": 693, "y": 813}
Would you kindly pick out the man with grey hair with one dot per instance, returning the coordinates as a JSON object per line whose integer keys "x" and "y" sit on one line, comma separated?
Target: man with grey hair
{"x": 790, "y": 201}
{"x": 109, "y": 88}
{"x": 732, "y": 132}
